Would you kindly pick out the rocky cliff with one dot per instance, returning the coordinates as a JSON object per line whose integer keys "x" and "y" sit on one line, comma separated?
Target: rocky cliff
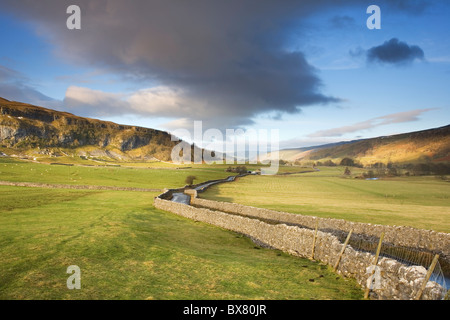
{"x": 26, "y": 127}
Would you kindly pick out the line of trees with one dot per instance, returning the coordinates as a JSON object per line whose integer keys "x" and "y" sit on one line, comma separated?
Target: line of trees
{"x": 415, "y": 169}
{"x": 238, "y": 169}
{"x": 380, "y": 169}
{"x": 427, "y": 169}
{"x": 347, "y": 162}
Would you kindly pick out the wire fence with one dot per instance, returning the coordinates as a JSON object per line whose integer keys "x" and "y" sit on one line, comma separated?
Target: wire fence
{"x": 405, "y": 255}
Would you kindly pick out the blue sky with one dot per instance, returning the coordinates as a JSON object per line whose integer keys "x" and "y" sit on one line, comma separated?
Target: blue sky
{"x": 304, "y": 70}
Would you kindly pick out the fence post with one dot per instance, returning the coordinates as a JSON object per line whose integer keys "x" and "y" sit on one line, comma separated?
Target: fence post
{"x": 375, "y": 262}
{"x": 343, "y": 249}
{"x": 430, "y": 271}
{"x": 314, "y": 240}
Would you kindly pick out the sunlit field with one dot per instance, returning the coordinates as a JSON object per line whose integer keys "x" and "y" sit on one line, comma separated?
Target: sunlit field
{"x": 421, "y": 202}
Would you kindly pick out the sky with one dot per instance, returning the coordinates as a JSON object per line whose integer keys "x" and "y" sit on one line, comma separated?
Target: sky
{"x": 312, "y": 70}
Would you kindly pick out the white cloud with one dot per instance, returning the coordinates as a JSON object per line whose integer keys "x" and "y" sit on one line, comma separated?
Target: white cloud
{"x": 160, "y": 100}
{"x": 156, "y": 102}
{"x": 88, "y": 102}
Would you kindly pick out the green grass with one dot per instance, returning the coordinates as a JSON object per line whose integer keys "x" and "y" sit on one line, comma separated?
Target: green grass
{"x": 152, "y": 175}
{"x": 22, "y": 171}
{"x": 421, "y": 202}
{"x": 127, "y": 249}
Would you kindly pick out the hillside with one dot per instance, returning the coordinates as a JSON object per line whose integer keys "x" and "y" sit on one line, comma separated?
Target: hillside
{"x": 31, "y": 130}
{"x": 414, "y": 147}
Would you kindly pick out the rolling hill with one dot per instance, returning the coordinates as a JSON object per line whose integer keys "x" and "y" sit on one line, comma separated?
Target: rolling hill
{"x": 413, "y": 147}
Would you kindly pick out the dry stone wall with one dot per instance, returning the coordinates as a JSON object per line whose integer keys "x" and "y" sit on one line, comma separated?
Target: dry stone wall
{"x": 395, "y": 280}
{"x": 437, "y": 242}
{"x": 73, "y": 186}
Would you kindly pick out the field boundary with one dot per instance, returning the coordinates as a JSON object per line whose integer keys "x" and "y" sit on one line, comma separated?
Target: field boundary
{"x": 433, "y": 241}
{"x": 399, "y": 281}
{"x": 70, "y": 186}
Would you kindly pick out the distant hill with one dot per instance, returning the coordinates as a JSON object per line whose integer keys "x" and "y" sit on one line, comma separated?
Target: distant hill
{"x": 30, "y": 129}
{"x": 413, "y": 147}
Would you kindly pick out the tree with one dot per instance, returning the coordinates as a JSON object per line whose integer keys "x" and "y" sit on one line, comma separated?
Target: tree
{"x": 190, "y": 180}
{"x": 241, "y": 169}
{"x": 238, "y": 169}
{"x": 392, "y": 171}
{"x": 329, "y": 163}
{"x": 347, "y": 171}
{"x": 347, "y": 162}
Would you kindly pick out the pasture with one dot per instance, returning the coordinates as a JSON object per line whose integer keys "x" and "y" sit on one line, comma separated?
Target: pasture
{"x": 420, "y": 202}
{"x": 127, "y": 249}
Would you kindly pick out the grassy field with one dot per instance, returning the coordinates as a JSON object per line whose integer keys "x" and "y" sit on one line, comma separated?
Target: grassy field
{"x": 152, "y": 175}
{"x": 421, "y": 202}
{"x": 153, "y": 178}
{"x": 127, "y": 249}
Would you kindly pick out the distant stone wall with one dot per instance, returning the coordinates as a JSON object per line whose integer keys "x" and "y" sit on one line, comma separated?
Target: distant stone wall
{"x": 436, "y": 242}
{"x": 73, "y": 186}
{"x": 397, "y": 280}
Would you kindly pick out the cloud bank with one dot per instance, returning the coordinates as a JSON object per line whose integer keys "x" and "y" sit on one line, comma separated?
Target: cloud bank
{"x": 206, "y": 60}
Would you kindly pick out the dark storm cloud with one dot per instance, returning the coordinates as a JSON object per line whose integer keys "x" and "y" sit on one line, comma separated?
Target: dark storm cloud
{"x": 395, "y": 52}
{"x": 223, "y": 58}
{"x": 221, "y": 61}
